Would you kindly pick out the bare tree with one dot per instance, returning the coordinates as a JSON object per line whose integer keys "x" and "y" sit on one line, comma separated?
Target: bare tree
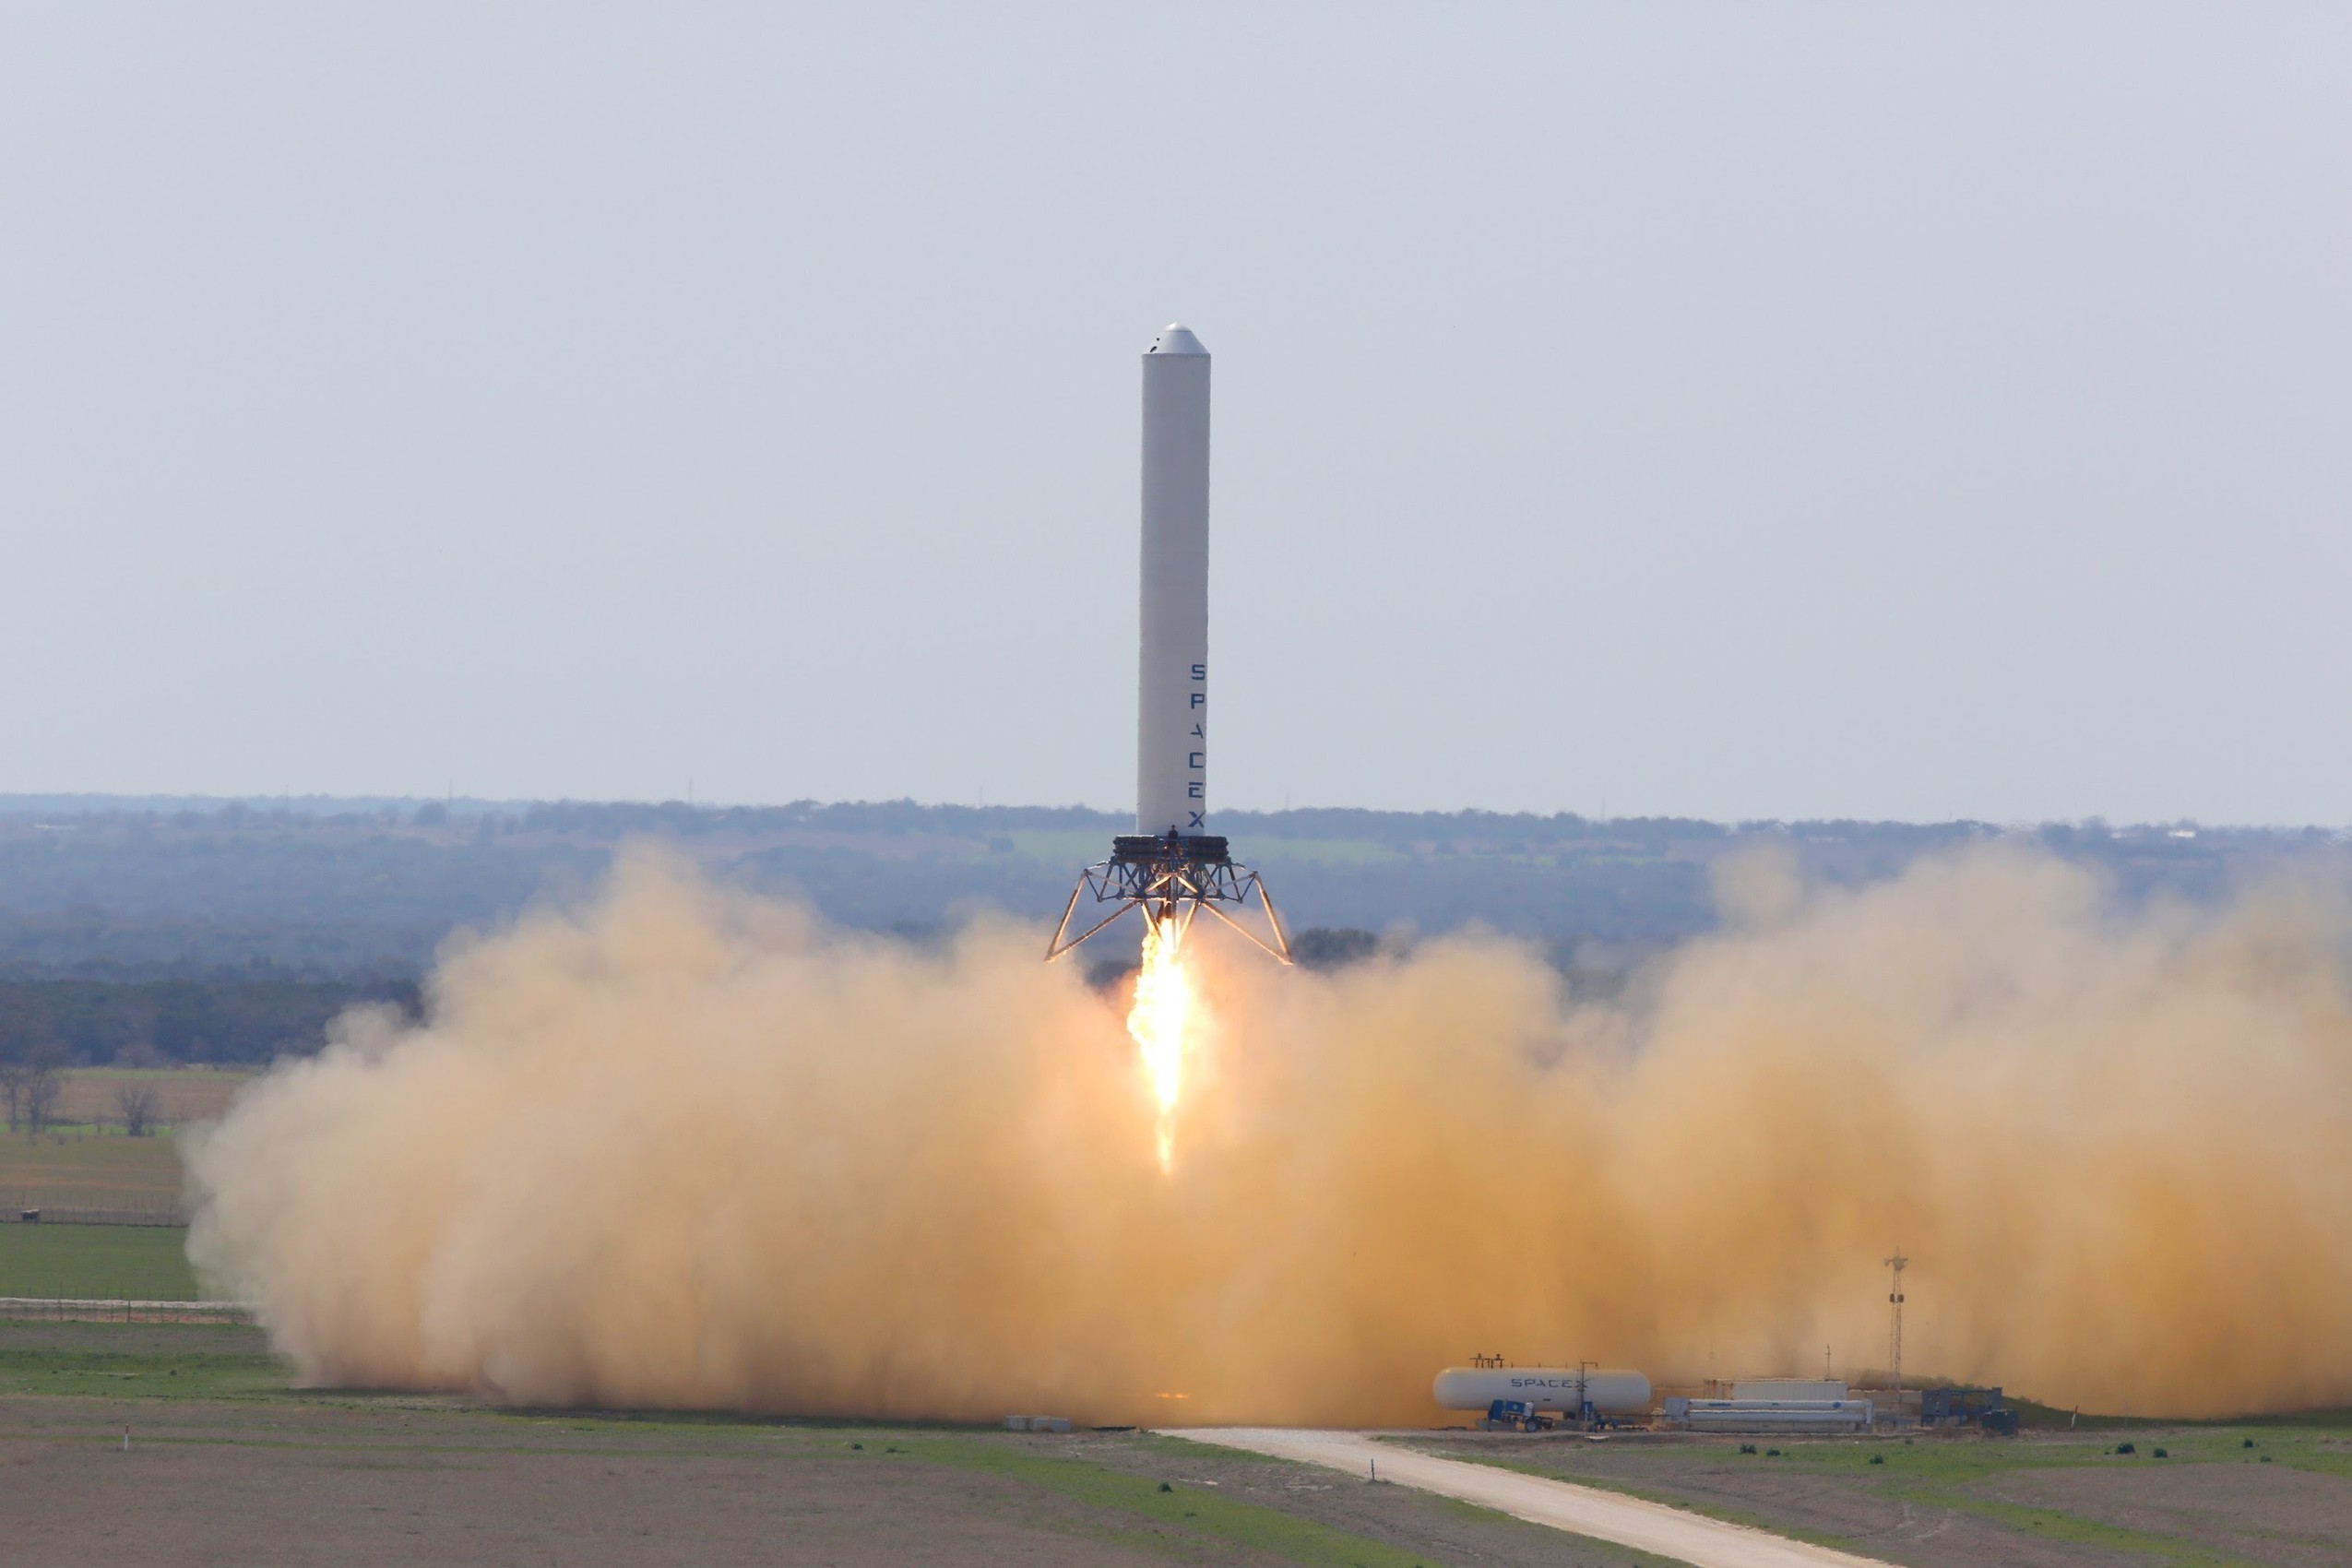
{"x": 140, "y": 1056}
{"x": 12, "y": 1085}
{"x": 43, "y": 1085}
{"x": 138, "y": 1103}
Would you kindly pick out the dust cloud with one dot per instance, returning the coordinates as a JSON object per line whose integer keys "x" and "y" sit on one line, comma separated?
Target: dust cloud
{"x": 687, "y": 1148}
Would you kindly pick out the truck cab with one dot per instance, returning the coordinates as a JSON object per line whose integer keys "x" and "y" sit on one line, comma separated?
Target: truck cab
{"x": 1513, "y": 1415}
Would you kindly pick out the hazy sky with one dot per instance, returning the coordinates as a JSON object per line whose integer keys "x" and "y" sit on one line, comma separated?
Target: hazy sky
{"x": 1732, "y": 411}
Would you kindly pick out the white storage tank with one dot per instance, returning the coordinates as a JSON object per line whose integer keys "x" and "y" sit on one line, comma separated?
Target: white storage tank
{"x": 1611, "y": 1390}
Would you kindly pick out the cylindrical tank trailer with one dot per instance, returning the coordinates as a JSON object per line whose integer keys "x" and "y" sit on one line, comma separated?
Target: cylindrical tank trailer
{"x": 1611, "y": 1391}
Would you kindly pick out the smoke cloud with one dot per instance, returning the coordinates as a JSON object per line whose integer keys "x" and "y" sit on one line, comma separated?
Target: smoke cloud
{"x": 687, "y": 1148}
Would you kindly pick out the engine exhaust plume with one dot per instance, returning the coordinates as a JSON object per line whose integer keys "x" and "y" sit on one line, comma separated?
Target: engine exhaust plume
{"x": 1161, "y": 1019}
{"x": 686, "y": 1148}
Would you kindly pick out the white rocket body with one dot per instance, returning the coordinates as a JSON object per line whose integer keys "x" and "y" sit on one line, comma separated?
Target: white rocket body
{"x": 1172, "y": 751}
{"x": 1171, "y": 880}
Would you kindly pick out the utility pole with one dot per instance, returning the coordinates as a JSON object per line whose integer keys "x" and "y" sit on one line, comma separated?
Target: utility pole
{"x": 1894, "y": 1332}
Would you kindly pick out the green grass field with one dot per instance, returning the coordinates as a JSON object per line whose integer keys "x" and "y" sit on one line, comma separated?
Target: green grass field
{"x": 143, "y": 1263}
{"x": 87, "y": 1360}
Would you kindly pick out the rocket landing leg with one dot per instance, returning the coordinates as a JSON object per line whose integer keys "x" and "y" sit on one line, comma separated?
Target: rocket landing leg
{"x": 1173, "y": 880}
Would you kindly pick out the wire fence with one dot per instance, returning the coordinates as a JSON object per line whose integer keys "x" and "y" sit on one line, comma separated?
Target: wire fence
{"x": 120, "y": 1309}
{"x": 67, "y": 1205}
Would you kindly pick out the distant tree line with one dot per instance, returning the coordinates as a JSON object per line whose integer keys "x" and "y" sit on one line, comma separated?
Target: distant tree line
{"x": 267, "y": 917}
{"x": 224, "y": 1021}
{"x": 621, "y": 819}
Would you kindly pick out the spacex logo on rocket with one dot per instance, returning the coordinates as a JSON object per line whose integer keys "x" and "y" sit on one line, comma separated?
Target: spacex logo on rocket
{"x": 1171, "y": 867}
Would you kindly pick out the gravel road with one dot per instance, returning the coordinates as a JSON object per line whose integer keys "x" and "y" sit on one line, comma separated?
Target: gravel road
{"x": 1606, "y": 1515}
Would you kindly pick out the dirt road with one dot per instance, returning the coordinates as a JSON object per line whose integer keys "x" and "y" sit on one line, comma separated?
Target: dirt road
{"x": 1650, "y": 1527}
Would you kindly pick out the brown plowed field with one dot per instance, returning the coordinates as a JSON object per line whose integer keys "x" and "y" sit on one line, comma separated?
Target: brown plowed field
{"x": 2263, "y": 1512}
{"x": 1956, "y": 1499}
{"x": 192, "y": 1094}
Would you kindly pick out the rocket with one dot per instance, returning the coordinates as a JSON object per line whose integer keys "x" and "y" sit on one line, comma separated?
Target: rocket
{"x": 1171, "y": 867}
{"x": 1171, "y": 685}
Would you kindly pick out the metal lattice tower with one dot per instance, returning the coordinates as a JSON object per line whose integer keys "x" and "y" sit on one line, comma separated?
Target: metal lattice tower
{"x": 1894, "y": 1330}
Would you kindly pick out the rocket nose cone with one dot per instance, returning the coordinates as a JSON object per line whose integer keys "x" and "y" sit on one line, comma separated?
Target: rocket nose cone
{"x": 1176, "y": 339}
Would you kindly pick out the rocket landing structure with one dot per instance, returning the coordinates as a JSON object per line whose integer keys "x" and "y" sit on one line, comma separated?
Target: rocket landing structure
{"x": 1171, "y": 867}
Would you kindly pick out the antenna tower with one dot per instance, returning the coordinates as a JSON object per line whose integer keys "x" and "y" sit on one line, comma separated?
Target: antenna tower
{"x": 1895, "y": 1331}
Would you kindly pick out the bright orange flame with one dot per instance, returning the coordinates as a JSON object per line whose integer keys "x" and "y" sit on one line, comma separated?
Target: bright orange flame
{"x": 1161, "y": 1013}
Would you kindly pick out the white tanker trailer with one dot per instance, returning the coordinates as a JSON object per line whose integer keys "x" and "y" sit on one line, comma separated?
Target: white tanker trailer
{"x": 1611, "y": 1391}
